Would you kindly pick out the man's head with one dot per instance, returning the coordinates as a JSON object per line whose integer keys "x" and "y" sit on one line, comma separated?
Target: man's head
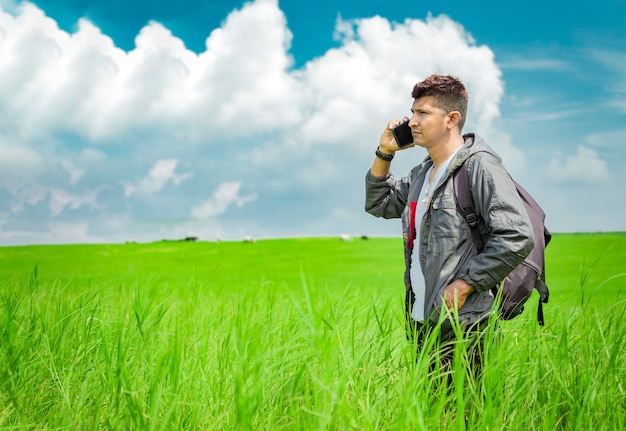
{"x": 448, "y": 93}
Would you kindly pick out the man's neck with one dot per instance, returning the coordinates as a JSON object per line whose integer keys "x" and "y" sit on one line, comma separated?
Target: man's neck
{"x": 440, "y": 153}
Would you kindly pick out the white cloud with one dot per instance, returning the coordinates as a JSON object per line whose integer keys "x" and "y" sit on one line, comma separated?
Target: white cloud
{"x": 607, "y": 139}
{"x": 615, "y": 78}
{"x": 86, "y": 159}
{"x": 19, "y": 164}
{"x": 83, "y": 83}
{"x": 512, "y": 157}
{"x": 226, "y": 195}
{"x": 241, "y": 85}
{"x": 583, "y": 167}
{"x": 78, "y": 114}
{"x": 60, "y": 199}
{"x": 371, "y": 75}
{"x": 162, "y": 173}
{"x": 525, "y": 63}
{"x": 29, "y": 194}
{"x": 70, "y": 232}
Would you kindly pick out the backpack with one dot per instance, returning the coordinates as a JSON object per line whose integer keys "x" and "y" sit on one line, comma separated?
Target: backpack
{"x": 518, "y": 286}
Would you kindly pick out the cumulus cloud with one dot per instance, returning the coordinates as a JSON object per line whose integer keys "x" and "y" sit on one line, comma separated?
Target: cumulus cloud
{"x": 372, "y": 73}
{"x": 79, "y": 115}
{"x": 226, "y": 195}
{"x": 83, "y": 83}
{"x": 583, "y": 167}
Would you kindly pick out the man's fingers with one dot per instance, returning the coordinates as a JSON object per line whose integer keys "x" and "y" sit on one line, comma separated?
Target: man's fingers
{"x": 453, "y": 300}
{"x": 450, "y": 298}
{"x": 395, "y": 123}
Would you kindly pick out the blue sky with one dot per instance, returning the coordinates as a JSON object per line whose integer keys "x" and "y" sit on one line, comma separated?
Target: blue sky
{"x": 149, "y": 120}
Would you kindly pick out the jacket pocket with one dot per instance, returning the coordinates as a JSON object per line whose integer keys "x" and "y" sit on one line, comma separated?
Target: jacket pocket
{"x": 448, "y": 228}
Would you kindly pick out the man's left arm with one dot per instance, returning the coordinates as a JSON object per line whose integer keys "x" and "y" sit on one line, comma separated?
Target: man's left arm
{"x": 510, "y": 234}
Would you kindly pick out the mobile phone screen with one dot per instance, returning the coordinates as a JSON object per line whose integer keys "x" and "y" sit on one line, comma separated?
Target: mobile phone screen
{"x": 403, "y": 134}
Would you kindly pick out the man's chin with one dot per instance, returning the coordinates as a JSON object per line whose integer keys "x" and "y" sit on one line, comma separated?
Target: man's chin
{"x": 418, "y": 140}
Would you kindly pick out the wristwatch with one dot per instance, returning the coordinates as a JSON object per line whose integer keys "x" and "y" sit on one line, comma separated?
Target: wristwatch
{"x": 383, "y": 156}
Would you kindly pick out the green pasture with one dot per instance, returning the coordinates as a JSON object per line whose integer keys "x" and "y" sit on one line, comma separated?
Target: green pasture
{"x": 293, "y": 334}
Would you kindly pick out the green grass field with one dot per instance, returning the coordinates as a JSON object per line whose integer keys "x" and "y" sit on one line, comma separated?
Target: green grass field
{"x": 293, "y": 334}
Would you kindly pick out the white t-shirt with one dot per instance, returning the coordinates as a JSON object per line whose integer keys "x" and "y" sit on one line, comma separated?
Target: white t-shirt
{"x": 417, "y": 277}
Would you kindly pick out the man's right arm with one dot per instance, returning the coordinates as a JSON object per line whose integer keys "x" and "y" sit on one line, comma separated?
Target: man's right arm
{"x": 384, "y": 197}
{"x": 387, "y": 148}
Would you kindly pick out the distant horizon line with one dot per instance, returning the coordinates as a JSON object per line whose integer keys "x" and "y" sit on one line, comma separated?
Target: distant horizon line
{"x": 252, "y": 239}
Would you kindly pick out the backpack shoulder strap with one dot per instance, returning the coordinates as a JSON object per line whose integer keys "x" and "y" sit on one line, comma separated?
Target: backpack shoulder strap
{"x": 465, "y": 204}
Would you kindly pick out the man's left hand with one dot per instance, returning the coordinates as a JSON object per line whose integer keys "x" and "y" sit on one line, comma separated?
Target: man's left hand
{"x": 458, "y": 289}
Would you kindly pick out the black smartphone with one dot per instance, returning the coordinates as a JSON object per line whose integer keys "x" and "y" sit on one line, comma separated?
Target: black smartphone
{"x": 403, "y": 134}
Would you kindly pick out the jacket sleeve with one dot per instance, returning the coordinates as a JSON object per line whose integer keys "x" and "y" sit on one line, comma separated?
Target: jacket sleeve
{"x": 508, "y": 228}
{"x": 384, "y": 196}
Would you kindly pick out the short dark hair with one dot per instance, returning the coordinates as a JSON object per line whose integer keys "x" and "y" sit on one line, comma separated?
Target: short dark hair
{"x": 448, "y": 92}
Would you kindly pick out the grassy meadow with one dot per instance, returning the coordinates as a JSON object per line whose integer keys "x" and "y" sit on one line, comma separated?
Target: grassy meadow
{"x": 293, "y": 334}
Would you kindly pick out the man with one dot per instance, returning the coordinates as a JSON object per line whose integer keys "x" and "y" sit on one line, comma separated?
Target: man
{"x": 443, "y": 268}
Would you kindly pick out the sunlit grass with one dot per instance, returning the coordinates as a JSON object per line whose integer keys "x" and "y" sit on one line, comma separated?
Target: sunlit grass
{"x": 292, "y": 347}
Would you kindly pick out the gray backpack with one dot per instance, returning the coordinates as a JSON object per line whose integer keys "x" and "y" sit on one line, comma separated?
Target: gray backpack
{"x": 518, "y": 286}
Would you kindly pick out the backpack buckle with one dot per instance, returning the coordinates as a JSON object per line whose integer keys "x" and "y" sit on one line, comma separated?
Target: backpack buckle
{"x": 472, "y": 220}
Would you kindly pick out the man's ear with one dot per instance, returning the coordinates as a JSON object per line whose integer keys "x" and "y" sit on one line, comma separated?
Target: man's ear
{"x": 453, "y": 119}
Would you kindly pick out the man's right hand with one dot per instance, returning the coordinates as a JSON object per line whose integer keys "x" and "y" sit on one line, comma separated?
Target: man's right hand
{"x": 387, "y": 145}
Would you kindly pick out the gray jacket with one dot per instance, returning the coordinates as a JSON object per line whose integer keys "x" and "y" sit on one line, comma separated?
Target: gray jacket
{"x": 447, "y": 250}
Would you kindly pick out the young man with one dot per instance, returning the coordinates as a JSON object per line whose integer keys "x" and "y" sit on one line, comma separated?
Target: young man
{"x": 443, "y": 268}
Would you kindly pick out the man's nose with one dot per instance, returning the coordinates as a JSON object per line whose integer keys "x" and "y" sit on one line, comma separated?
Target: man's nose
{"x": 413, "y": 121}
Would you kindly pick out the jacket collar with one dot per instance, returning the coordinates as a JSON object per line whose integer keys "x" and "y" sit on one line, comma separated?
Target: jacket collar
{"x": 473, "y": 144}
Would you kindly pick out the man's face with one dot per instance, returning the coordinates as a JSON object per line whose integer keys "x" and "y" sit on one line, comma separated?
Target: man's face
{"x": 428, "y": 122}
